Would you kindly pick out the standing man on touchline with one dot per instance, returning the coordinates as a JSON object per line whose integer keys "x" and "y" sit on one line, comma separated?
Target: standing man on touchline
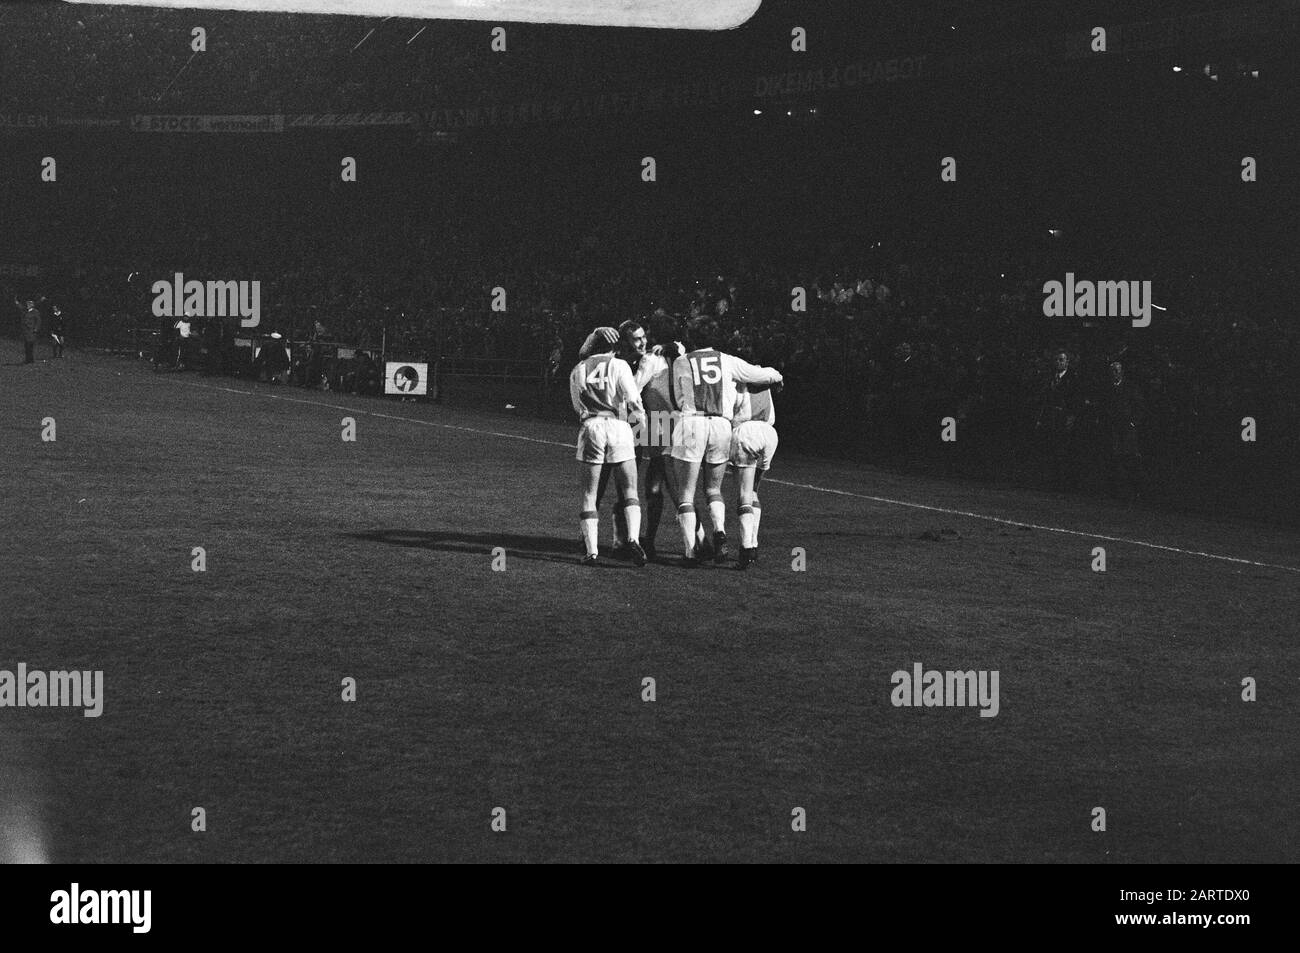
{"x": 31, "y": 325}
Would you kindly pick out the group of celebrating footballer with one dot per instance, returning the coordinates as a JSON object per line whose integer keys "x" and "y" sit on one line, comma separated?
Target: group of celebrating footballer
{"x": 683, "y": 411}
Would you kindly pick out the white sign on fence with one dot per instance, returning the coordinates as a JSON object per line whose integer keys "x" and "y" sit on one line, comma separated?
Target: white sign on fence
{"x": 406, "y": 378}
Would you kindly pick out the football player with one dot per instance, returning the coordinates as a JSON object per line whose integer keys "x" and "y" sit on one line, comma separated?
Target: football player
{"x": 703, "y": 385}
{"x": 607, "y": 401}
{"x": 651, "y": 370}
{"x": 597, "y": 342}
{"x": 753, "y": 444}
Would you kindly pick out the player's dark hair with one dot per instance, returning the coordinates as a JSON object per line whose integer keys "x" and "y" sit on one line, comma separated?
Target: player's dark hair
{"x": 701, "y": 333}
{"x": 664, "y": 329}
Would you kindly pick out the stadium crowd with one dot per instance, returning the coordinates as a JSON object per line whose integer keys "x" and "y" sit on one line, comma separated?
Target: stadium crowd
{"x": 894, "y": 338}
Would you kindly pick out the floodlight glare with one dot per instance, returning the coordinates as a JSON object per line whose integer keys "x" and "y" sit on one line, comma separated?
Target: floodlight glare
{"x": 664, "y": 14}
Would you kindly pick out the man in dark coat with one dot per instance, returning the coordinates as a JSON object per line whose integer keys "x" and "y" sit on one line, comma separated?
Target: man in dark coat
{"x": 274, "y": 357}
{"x": 1058, "y": 412}
{"x": 1121, "y": 411}
{"x": 31, "y": 327}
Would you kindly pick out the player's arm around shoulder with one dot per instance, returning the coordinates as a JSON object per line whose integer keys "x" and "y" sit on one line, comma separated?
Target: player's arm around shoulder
{"x": 751, "y": 375}
{"x": 599, "y": 338}
{"x": 651, "y": 366}
{"x": 626, "y": 391}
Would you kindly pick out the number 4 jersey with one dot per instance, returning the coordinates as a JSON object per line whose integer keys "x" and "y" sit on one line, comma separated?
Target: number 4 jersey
{"x": 602, "y": 384}
{"x": 704, "y": 381}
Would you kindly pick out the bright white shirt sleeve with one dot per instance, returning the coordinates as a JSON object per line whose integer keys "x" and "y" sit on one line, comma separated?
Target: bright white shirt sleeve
{"x": 626, "y": 392}
{"x": 593, "y": 339}
{"x": 575, "y": 388}
{"x": 742, "y": 372}
{"x": 650, "y": 365}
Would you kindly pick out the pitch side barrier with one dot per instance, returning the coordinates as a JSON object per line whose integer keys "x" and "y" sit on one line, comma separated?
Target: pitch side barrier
{"x": 521, "y": 385}
{"x": 360, "y": 368}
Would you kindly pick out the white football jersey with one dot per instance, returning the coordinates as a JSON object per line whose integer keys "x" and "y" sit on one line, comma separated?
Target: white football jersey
{"x": 652, "y": 378}
{"x": 602, "y": 385}
{"x": 751, "y": 405}
{"x": 704, "y": 381}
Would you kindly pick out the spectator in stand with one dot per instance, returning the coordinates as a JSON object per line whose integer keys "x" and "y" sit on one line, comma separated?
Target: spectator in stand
{"x": 214, "y": 345}
{"x": 1121, "y": 411}
{"x": 1060, "y": 402}
{"x": 273, "y": 358}
{"x": 165, "y": 350}
{"x": 554, "y": 362}
{"x": 367, "y": 375}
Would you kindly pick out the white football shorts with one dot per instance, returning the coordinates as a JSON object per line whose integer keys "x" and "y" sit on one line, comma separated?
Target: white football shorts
{"x": 698, "y": 438}
{"x": 605, "y": 440}
{"x": 753, "y": 444}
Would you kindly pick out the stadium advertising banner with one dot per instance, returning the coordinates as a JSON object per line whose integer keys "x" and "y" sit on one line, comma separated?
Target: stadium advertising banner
{"x": 341, "y": 120}
{"x": 704, "y": 92}
{"x": 17, "y": 122}
{"x": 270, "y": 123}
{"x": 23, "y": 121}
{"x": 837, "y": 77}
{"x": 406, "y": 378}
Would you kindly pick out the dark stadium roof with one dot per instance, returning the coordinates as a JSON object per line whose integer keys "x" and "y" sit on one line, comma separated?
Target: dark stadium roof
{"x": 70, "y": 57}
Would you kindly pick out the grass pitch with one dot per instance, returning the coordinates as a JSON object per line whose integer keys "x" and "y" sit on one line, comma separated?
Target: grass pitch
{"x": 522, "y": 689}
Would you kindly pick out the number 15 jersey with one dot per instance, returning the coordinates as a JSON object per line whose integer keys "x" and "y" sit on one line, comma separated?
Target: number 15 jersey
{"x": 704, "y": 381}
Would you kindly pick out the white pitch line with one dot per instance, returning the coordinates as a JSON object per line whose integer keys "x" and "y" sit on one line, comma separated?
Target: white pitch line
{"x": 374, "y": 413}
{"x": 801, "y": 486}
{"x": 1049, "y": 529}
